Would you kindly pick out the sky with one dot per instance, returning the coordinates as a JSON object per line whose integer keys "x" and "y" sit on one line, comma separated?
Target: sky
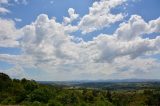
{"x": 64, "y": 40}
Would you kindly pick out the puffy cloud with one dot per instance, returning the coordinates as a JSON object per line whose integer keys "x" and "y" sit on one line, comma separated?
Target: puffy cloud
{"x": 17, "y": 19}
{"x": 137, "y": 68}
{"x": 4, "y": 10}
{"x": 8, "y": 29}
{"x": 9, "y": 43}
{"x": 72, "y": 16}
{"x": 108, "y": 47}
{"x": 7, "y": 2}
{"x": 8, "y": 33}
{"x": 70, "y": 28}
{"x": 25, "y": 2}
{"x": 3, "y": 1}
{"x": 16, "y": 72}
{"x": 22, "y": 60}
{"x": 137, "y": 27}
{"x": 46, "y": 42}
{"x": 100, "y": 16}
{"x": 154, "y": 25}
{"x": 121, "y": 68}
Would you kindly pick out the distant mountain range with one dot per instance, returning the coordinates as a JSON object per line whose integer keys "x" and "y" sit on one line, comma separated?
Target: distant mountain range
{"x": 109, "y": 80}
{"x": 77, "y": 82}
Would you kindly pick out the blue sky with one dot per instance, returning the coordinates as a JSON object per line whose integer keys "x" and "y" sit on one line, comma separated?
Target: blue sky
{"x": 35, "y": 45}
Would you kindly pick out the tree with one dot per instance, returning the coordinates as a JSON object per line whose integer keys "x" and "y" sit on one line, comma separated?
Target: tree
{"x": 74, "y": 98}
{"x": 109, "y": 95}
{"x": 5, "y": 81}
{"x": 40, "y": 95}
{"x": 30, "y": 86}
{"x": 88, "y": 96}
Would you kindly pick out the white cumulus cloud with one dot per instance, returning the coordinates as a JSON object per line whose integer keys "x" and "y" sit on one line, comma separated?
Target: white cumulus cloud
{"x": 100, "y": 16}
{"x": 51, "y": 46}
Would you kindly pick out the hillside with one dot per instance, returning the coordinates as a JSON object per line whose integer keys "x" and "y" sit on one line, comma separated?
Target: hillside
{"x": 30, "y": 93}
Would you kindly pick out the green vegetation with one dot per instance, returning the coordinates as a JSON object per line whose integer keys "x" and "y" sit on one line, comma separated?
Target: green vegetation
{"x": 30, "y": 93}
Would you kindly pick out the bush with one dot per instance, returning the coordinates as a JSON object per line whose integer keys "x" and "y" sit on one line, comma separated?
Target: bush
{"x": 40, "y": 95}
{"x": 9, "y": 100}
{"x": 54, "y": 103}
{"x": 36, "y": 103}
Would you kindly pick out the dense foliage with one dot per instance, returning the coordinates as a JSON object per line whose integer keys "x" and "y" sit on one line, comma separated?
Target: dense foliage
{"x": 30, "y": 93}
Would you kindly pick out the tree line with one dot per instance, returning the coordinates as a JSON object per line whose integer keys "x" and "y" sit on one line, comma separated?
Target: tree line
{"x": 30, "y": 93}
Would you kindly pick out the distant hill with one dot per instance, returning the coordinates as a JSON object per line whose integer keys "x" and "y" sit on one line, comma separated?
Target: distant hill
{"x": 127, "y": 84}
